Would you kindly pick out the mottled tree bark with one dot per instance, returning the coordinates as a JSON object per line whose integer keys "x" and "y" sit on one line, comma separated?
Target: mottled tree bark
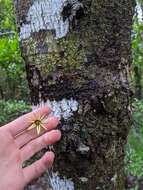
{"x": 77, "y": 56}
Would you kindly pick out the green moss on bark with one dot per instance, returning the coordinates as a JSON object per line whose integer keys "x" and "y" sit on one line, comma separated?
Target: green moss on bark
{"x": 65, "y": 54}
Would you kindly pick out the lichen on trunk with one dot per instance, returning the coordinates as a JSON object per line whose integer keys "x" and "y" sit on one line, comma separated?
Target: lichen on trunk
{"x": 77, "y": 56}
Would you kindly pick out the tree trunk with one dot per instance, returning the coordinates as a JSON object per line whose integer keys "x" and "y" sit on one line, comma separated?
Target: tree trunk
{"x": 77, "y": 56}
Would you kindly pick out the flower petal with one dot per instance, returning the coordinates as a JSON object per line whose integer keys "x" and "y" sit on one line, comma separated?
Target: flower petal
{"x": 38, "y": 129}
{"x": 43, "y": 127}
{"x": 32, "y": 126}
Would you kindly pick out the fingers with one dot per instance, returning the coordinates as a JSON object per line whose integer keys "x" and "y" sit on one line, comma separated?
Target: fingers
{"x": 41, "y": 142}
{"x": 23, "y": 122}
{"x": 36, "y": 169}
{"x": 29, "y": 135}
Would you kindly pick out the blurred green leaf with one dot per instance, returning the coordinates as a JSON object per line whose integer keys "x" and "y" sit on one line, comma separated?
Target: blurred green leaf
{"x": 10, "y": 110}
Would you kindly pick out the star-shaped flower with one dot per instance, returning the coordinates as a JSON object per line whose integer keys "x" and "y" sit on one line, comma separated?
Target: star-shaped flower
{"x": 38, "y": 123}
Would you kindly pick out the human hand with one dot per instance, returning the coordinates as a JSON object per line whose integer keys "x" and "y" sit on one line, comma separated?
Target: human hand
{"x": 17, "y": 144}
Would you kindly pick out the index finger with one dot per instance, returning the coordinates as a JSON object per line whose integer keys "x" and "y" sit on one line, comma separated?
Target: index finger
{"x": 19, "y": 125}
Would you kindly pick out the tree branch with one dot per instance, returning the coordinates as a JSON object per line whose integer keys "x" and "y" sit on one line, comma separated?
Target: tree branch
{"x": 7, "y": 33}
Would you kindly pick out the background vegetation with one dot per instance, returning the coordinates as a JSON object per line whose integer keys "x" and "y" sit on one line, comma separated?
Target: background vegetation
{"x": 14, "y": 93}
{"x": 13, "y": 84}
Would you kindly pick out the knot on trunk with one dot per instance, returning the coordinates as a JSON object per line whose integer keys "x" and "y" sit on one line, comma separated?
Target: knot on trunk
{"x": 73, "y": 9}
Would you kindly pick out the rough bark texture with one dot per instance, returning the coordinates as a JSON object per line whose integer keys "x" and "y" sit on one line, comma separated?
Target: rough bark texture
{"x": 89, "y": 64}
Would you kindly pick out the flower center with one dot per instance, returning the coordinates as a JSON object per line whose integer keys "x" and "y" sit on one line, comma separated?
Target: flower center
{"x": 37, "y": 122}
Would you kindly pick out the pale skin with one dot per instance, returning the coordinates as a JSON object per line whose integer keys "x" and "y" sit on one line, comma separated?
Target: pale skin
{"x": 17, "y": 144}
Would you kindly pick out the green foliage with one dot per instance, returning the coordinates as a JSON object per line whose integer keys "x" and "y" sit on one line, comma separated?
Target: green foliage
{"x": 13, "y": 83}
{"x": 9, "y": 51}
{"x": 140, "y": 2}
{"x": 134, "y": 153}
{"x": 10, "y": 110}
{"x": 7, "y": 17}
{"x": 137, "y": 43}
{"x": 137, "y": 53}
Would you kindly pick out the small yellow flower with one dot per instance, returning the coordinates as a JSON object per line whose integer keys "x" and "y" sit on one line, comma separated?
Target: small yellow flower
{"x": 38, "y": 123}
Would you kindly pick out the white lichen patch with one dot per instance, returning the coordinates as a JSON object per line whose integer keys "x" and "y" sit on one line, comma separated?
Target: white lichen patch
{"x": 139, "y": 12}
{"x": 62, "y": 109}
{"x": 83, "y": 179}
{"x": 83, "y": 149}
{"x": 45, "y": 15}
{"x": 114, "y": 179}
{"x": 57, "y": 183}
